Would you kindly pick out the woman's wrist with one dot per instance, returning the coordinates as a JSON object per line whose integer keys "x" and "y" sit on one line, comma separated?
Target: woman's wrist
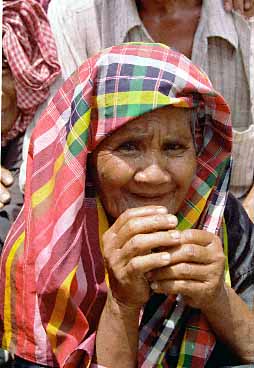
{"x": 117, "y": 307}
{"x": 217, "y": 302}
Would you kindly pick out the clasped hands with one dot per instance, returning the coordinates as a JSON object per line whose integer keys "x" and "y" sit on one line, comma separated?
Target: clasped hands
{"x": 143, "y": 251}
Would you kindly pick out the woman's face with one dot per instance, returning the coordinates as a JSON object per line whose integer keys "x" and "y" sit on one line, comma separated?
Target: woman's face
{"x": 149, "y": 161}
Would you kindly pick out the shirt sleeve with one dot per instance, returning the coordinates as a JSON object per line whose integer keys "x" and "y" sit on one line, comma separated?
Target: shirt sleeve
{"x": 70, "y": 37}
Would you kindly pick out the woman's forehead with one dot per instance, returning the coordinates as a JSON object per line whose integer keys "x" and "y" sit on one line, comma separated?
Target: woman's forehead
{"x": 168, "y": 118}
{"x": 164, "y": 122}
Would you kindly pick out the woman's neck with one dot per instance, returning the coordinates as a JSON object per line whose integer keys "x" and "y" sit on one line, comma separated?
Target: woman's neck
{"x": 173, "y": 23}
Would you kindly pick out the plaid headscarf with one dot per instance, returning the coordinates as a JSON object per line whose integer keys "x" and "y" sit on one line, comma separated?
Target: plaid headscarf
{"x": 30, "y": 50}
{"x": 53, "y": 285}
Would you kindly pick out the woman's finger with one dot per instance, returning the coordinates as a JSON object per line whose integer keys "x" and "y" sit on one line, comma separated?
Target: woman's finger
{"x": 192, "y": 253}
{"x": 142, "y": 264}
{"x": 184, "y": 271}
{"x": 200, "y": 237}
{"x": 185, "y": 287}
{"x": 145, "y": 225}
{"x": 142, "y": 244}
{"x": 137, "y": 212}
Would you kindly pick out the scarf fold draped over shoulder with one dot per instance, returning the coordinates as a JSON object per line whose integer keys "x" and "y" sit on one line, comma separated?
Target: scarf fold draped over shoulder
{"x": 29, "y": 47}
{"x": 53, "y": 285}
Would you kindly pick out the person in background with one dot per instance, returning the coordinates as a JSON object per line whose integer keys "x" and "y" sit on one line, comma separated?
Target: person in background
{"x": 129, "y": 251}
{"x": 29, "y": 68}
{"x": 217, "y": 41}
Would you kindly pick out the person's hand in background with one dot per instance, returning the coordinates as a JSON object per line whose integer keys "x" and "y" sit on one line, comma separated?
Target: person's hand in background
{"x": 245, "y": 7}
{"x": 6, "y": 179}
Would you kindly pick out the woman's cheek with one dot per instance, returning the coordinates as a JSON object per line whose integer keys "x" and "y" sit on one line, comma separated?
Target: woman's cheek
{"x": 113, "y": 176}
{"x": 115, "y": 172}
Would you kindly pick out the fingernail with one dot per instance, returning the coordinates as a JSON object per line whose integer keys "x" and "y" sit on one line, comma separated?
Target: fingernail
{"x": 166, "y": 257}
{"x": 172, "y": 220}
{"x": 162, "y": 210}
{"x": 175, "y": 235}
{"x": 154, "y": 285}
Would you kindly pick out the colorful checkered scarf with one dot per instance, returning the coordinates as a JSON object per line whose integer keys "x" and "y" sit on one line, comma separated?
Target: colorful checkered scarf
{"x": 30, "y": 50}
{"x": 52, "y": 275}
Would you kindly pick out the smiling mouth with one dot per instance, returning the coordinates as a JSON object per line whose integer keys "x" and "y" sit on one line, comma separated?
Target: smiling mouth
{"x": 149, "y": 196}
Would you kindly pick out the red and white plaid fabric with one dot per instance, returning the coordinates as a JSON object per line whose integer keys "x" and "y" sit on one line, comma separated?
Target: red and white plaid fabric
{"x": 30, "y": 50}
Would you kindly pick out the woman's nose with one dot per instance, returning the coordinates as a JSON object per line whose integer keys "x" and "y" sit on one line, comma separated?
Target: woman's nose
{"x": 153, "y": 174}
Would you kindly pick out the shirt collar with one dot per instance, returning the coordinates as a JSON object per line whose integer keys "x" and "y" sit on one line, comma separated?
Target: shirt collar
{"x": 219, "y": 23}
{"x": 126, "y": 18}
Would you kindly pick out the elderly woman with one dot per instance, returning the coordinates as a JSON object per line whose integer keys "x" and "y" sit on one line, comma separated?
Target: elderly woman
{"x": 129, "y": 251}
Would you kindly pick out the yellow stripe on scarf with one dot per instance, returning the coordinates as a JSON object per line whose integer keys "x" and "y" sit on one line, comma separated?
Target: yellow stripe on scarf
{"x": 136, "y": 97}
{"x": 79, "y": 127}
{"x": 181, "y": 355}
{"x": 57, "y": 316}
{"x": 42, "y": 193}
{"x": 103, "y": 226}
{"x": 8, "y": 289}
{"x": 195, "y": 212}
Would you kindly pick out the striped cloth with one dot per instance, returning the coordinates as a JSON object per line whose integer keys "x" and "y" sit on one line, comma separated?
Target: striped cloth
{"x": 53, "y": 286}
{"x": 30, "y": 50}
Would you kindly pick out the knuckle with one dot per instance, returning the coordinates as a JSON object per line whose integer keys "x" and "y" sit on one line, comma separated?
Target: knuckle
{"x": 133, "y": 266}
{"x": 220, "y": 257}
{"x": 185, "y": 269}
{"x": 188, "y": 235}
{"x": 134, "y": 245}
{"x": 131, "y": 226}
{"x": 157, "y": 219}
{"x": 127, "y": 214}
{"x": 190, "y": 251}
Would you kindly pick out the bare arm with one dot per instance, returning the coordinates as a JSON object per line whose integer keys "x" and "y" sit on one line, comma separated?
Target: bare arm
{"x": 196, "y": 271}
{"x": 243, "y": 6}
{"x": 128, "y": 256}
{"x": 233, "y": 323}
{"x": 117, "y": 336}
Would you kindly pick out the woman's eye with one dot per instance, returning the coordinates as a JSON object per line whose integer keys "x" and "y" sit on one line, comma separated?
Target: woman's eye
{"x": 128, "y": 147}
{"x": 173, "y": 147}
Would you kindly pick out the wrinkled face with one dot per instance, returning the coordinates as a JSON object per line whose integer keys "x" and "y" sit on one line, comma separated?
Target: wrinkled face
{"x": 149, "y": 161}
{"x": 9, "y": 109}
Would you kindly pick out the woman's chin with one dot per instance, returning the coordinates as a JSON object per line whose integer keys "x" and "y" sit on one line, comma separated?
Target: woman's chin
{"x": 134, "y": 201}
